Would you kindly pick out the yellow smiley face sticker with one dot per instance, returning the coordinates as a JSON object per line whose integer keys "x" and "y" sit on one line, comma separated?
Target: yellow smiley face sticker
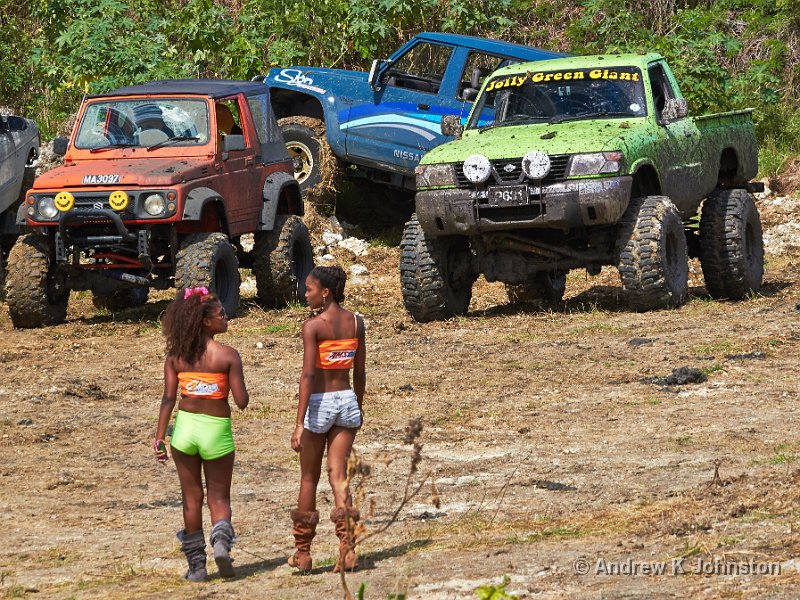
{"x": 118, "y": 200}
{"x": 64, "y": 201}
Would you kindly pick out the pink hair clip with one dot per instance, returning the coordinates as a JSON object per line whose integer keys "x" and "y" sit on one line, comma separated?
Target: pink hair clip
{"x": 203, "y": 291}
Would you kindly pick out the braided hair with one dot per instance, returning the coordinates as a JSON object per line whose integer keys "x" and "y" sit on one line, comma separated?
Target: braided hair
{"x": 332, "y": 278}
{"x": 183, "y": 324}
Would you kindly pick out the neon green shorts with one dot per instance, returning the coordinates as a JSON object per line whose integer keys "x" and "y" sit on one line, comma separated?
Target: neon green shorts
{"x": 195, "y": 433}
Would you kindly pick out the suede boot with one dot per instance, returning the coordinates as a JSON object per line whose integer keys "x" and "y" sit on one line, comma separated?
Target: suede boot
{"x": 222, "y": 539}
{"x": 345, "y": 520}
{"x": 193, "y": 546}
{"x": 304, "y": 528}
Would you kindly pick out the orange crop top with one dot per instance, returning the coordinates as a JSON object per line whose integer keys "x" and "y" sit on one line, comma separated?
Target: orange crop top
{"x": 213, "y": 386}
{"x": 338, "y": 354}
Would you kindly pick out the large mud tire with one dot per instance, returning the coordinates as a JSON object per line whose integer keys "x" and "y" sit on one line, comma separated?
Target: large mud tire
{"x": 436, "y": 275}
{"x": 731, "y": 244}
{"x": 315, "y": 166}
{"x": 282, "y": 259}
{"x": 653, "y": 258}
{"x": 209, "y": 260}
{"x": 546, "y": 287}
{"x": 36, "y": 287}
{"x": 120, "y": 299}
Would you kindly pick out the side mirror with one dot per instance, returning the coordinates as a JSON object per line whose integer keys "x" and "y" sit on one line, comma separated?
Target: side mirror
{"x": 233, "y": 143}
{"x": 675, "y": 108}
{"x": 60, "y": 146}
{"x": 451, "y": 125}
{"x": 374, "y": 72}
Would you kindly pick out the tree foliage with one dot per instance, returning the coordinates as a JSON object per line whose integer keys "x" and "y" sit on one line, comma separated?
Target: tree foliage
{"x": 727, "y": 54}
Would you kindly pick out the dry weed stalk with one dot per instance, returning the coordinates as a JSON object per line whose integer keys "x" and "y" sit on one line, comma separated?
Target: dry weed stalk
{"x": 358, "y": 473}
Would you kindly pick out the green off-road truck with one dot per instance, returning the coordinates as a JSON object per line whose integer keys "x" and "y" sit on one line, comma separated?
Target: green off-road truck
{"x": 578, "y": 163}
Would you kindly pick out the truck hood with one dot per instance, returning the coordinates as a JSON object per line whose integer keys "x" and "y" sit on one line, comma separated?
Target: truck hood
{"x": 151, "y": 172}
{"x": 313, "y": 79}
{"x": 515, "y": 141}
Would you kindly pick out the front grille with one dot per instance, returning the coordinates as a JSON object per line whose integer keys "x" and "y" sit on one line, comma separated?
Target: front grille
{"x": 502, "y": 171}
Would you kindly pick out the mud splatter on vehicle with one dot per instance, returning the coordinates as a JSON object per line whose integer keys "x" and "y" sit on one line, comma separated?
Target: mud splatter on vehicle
{"x": 580, "y": 163}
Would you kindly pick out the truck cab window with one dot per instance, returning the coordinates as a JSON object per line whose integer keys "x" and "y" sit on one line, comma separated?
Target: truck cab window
{"x": 422, "y": 68}
{"x": 477, "y": 67}
{"x": 661, "y": 89}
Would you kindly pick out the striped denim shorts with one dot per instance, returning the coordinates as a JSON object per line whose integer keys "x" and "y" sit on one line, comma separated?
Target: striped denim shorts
{"x": 332, "y": 408}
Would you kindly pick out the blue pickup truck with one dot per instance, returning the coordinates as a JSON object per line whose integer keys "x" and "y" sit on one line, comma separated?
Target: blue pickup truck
{"x": 377, "y": 125}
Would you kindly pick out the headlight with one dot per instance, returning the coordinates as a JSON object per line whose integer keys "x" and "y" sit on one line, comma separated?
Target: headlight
{"x": 154, "y": 204}
{"x": 435, "y": 175}
{"x": 477, "y": 168}
{"x": 47, "y": 207}
{"x": 595, "y": 163}
{"x": 536, "y": 164}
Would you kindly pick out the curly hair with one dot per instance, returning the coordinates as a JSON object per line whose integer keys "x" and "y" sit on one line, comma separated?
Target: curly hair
{"x": 332, "y": 278}
{"x": 183, "y": 325}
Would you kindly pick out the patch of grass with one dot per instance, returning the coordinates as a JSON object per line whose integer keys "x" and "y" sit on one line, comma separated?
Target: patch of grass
{"x": 728, "y": 540}
{"x": 720, "y": 347}
{"x": 297, "y": 306}
{"x": 561, "y": 533}
{"x": 785, "y": 453}
{"x": 388, "y": 238}
{"x": 325, "y": 562}
{"x": 700, "y": 304}
{"x": 56, "y": 556}
{"x": 653, "y": 401}
{"x": 489, "y": 591}
{"x": 711, "y": 369}
{"x": 596, "y": 328}
{"x": 684, "y": 440}
{"x": 15, "y": 591}
{"x": 691, "y": 549}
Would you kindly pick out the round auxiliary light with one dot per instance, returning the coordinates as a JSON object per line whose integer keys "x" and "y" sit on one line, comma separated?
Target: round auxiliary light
{"x": 477, "y": 168}
{"x": 64, "y": 201}
{"x": 118, "y": 200}
{"x": 154, "y": 204}
{"x": 536, "y": 164}
{"x": 47, "y": 208}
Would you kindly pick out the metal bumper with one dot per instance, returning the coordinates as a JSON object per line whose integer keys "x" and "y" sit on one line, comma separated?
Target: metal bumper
{"x": 564, "y": 205}
{"x": 83, "y": 216}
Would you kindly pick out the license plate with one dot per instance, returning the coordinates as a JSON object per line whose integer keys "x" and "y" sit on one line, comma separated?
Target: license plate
{"x": 510, "y": 194}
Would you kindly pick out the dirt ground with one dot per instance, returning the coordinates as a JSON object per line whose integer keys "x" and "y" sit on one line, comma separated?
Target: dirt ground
{"x": 554, "y": 444}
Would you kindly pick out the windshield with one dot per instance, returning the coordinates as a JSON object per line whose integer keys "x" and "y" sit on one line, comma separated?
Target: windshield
{"x": 112, "y": 123}
{"x": 556, "y": 96}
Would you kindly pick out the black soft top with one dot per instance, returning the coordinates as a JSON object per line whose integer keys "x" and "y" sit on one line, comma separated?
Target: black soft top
{"x": 213, "y": 88}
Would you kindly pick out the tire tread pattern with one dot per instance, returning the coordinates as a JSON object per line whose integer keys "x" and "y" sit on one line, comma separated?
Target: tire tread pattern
{"x": 723, "y": 252}
{"x": 422, "y": 280}
{"x": 642, "y": 263}
{"x": 195, "y": 265}
{"x": 30, "y": 265}
{"x": 272, "y": 261}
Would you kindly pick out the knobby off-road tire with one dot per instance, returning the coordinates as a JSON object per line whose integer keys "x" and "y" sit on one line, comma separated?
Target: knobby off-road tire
{"x": 653, "y": 259}
{"x": 120, "y": 299}
{"x": 546, "y": 287}
{"x": 315, "y": 166}
{"x": 36, "y": 287}
{"x": 435, "y": 274}
{"x": 209, "y": 260}
{"x": 282, "y": 259}
{"x": 731, "y": 245}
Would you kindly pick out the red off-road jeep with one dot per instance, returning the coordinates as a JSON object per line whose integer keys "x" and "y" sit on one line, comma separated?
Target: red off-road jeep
{"x": 159, "y": 183}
